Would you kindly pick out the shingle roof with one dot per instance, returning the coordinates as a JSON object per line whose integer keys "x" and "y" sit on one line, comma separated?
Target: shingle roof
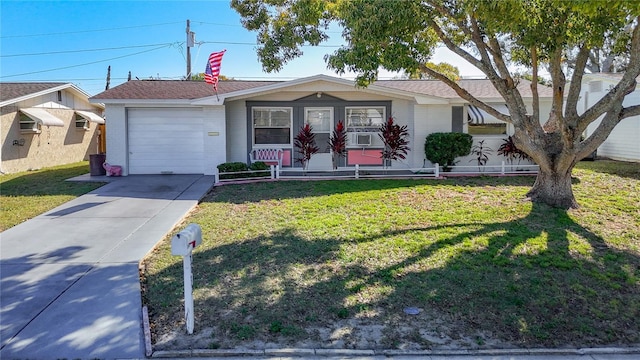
{"x": 189, "y": 90}
{"x": 14, "y": 90}
{"x": 174, "y": 89}
{"x": 479, "y": 88}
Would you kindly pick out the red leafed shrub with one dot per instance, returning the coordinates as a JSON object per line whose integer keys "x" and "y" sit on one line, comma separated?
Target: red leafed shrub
{"x": 338, "y": 143}
{"x": 305, "y": 142}
{"x": 395, "y": 141}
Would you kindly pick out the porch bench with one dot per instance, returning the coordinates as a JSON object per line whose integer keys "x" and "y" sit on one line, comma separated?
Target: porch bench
{"x": 268, "y": 156}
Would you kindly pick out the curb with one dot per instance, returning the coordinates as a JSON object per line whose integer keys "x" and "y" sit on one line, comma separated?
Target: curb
{"x": 300, "y": 352}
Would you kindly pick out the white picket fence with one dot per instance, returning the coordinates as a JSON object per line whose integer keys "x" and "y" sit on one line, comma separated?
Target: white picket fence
{"x": 359, "y": 172}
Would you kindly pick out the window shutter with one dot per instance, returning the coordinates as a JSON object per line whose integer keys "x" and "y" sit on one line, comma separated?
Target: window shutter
{"x": 457, "y": 119}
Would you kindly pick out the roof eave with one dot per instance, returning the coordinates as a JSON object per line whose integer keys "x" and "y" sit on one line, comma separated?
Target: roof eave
{"x": 65, "y": 86}
{"x": 167, "y": 102}
{"x": 268, "y": 89}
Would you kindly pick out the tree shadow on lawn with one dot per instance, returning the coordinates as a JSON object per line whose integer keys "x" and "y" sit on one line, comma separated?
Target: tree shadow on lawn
{"x": 258, "y": 191}
{"x": 523, "y": 282}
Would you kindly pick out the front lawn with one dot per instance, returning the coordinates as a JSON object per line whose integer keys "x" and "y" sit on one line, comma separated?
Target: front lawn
{"x": 336, "y": 264}
{"x": 28, "y": 194}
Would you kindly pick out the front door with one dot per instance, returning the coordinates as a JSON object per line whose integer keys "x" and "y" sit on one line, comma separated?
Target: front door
{"x": 321, "y": 121}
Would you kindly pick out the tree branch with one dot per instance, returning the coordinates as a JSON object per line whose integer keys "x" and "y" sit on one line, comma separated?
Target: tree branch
{"x": 466, "y": 95}
{"x": 576, "y": 82}
{"x": 476, "y": 36}
{"x": 630, "y": 111}
{"x": 534, "y": 85}
{"x": 591, "y": 143}
{"x": 456, "y": 49}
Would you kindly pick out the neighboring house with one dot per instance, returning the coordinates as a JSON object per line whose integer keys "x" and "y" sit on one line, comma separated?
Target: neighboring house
{"x": 182, "y": 127}
{"x": 623, "y": 143}
{"x": 47, "y": 124}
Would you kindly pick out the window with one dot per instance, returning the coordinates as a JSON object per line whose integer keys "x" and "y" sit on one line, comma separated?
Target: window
{"x": 487, "y": 129}
{"x": 28, "y": 125}
{"x": 271, "y": 126}
{"x": 364, "y": 119}
{"x": 81, "y": 123}
{"x": 482, "y": 123}
{"x": 320, "y": 120}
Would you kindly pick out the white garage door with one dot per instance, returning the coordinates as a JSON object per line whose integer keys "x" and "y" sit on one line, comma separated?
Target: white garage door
{"x": 165, "y": 141}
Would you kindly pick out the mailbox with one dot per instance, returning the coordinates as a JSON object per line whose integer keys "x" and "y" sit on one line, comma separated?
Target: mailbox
{"x": 183, "y": 244}
{"x": 186, "y": 240}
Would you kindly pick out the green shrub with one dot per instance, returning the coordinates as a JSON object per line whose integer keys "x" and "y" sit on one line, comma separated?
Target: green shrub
{"x": 444, "y": 148}
{"x": 240, "y": 166}
{"x": 259, "y": 165}
{"x": 232, "y": 167}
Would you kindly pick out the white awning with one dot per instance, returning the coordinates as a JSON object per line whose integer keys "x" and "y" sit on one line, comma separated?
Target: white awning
{"x": 42, "y": 116}
{"x": 476, "y": 115}
{"x": 88, "y": 115}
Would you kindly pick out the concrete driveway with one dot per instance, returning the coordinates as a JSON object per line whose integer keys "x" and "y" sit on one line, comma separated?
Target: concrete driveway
{"x": 69, "y": 284}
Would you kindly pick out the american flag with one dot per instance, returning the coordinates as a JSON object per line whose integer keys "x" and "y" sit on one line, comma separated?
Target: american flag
{"x": 213, "y": 69}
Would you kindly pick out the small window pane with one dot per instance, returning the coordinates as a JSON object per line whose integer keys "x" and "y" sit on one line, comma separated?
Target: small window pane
{"x": 260, "y": 117}
{"x": 26, "y": 123}
{"x": 320, "y": 120}
{"x": 365, "y": 118}
{"x": 280, "y": 117}
{"x": 275, "y": 136}
{"x": 488, "y": 129}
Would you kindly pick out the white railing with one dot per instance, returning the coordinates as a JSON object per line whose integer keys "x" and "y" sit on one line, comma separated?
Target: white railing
{"x": 359, "y": 172}
{"x": 502, "y": 169}
{"x": 273, "y": 173}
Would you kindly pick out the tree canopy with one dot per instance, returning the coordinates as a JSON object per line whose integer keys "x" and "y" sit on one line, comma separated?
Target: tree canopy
{"x": 450, "y": 71}
{"x": 492, "y": 36}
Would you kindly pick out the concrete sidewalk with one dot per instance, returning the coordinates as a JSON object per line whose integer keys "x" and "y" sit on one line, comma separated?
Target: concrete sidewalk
{"x": 69, "y": 284}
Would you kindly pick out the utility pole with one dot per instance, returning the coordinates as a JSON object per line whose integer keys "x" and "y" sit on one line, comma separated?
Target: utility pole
{"x": 108, "y": 77}
{"x": 189, "y": 45}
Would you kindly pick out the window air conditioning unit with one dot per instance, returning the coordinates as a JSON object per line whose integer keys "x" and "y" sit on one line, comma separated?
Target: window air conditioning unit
{"x": 363, "y": 139}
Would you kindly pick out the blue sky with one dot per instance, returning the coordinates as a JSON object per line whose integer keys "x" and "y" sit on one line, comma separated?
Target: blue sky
{"x": 75, "y": 41}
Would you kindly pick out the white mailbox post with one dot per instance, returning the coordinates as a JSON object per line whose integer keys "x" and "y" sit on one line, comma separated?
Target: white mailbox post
{"x": 183, "y": 244}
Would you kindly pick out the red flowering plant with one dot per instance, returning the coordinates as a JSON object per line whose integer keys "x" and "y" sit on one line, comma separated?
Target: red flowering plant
{"x": 338, "y": 143}
{"x": 305, "y": 142}
{"x": 395, "y": 141}
{"x": 509, "y": 150}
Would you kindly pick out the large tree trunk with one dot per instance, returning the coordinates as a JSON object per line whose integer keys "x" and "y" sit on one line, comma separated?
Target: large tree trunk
{"x": 553, "y": 188}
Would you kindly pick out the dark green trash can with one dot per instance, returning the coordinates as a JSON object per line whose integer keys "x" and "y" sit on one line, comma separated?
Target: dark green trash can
{"x": 95, "y": 164}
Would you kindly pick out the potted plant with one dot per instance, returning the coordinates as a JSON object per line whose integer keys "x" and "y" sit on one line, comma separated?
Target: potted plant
{"x": 305, "y": 142}
{"x": 395, "y": 141}
{"x": 338, "y": 144}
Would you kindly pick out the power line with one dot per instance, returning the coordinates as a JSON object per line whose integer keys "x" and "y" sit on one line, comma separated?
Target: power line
{"x": 87, "y": 31}
{"x": 254, "y": 44}
{"x": 86, "y": 50}
{"x": 140, "y": 46}
{"x": 89, "y": 63}
{"x": 239, "y": 25}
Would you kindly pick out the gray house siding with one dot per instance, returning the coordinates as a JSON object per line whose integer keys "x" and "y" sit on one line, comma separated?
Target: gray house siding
{"x": 298, "y": 106}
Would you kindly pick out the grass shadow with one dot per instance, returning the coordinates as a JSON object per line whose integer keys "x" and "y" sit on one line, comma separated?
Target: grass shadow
{"x": 294, "y": 189}
{"x": 623, "y": 169}
{"x": 537, "y": 280}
